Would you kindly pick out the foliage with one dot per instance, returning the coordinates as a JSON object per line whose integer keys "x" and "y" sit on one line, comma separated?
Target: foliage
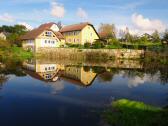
{"x": 87, "y": 45}
{"x": 98, "y": 45}
{"x": 14, "y": 52}
{"x": 156, "y": 37}
{"x": 132, "y": 113}
{"x": 4, "y": 43}
{"x": 165, "y": 37}
{"x": 107, "y": 30}
{"x": 14, "y": 32}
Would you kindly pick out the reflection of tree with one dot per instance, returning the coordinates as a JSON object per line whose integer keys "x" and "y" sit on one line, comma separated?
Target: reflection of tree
{"x": 13, "y": 67}
{"x": 86, "y": 68}
{"x": 3, "y": 79}
{"x": 99, "y": 69}
{"x": 106, "y": 76}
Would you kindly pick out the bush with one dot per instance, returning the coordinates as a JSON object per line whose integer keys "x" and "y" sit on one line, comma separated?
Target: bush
{"x": 98, "y": 45}
{"x": 4, "y": 43}
{"x": 87, "y": 45}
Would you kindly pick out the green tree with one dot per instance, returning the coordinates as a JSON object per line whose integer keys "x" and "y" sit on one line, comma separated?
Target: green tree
{"x": 156, "y": 37}
{"x": 165, "y": 36}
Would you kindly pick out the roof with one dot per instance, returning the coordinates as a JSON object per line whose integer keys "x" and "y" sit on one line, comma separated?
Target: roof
{"x": 75, "y": 27}
{"x": 47, "y": 25}
{"x": 34, "y": 33}
{"x": 59, "y": 35}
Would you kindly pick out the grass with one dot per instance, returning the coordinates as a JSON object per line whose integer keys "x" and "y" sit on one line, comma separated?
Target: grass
{"x": 14, "y": 53}
{"x": 132, "y": 113}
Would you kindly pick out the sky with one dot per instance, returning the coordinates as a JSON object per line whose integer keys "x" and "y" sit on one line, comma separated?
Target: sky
{"x": 140, "y": 16}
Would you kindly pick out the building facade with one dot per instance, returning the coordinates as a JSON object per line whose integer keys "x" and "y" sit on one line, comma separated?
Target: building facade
{"x": 50, "y": 36}
{"x": 80, "y": 33}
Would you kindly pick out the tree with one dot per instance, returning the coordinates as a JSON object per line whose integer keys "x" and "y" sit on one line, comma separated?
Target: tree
{"x": 165, "y": 36}
{"x": 156, "y": 37}
{"x": 107, "y": 31}
{"x": 59, "y": 24}
{"x": 14, "y": 32}
{"x": 128, "y": 37}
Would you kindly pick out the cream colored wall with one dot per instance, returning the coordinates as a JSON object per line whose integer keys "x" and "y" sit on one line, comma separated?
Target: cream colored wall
{"x": 89, "y": 34}
{"x": 2, "y": 36}
{"x": 28, "y": 45}
{"x": 40, "y": 42}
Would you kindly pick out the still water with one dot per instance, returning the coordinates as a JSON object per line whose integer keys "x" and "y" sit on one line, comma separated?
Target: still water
{"x": 73, "y": 93}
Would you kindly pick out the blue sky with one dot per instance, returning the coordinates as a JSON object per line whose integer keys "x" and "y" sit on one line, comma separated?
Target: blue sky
{"x": 139, "y": 16}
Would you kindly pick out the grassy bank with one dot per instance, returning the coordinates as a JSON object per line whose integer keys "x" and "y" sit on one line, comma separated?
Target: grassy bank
{"x": 14, "y": 52}
{"x": 131, "y": 113}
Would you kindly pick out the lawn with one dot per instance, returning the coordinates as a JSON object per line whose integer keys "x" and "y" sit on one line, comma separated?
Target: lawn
{"x": 132, "y": 113}
{"x": 14, "y": 52}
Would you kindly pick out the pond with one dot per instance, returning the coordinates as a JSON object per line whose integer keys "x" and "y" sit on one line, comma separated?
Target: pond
{"x": 73, "y": 93}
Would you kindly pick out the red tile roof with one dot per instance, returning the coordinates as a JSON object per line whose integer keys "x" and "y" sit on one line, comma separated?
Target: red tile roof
{"x": 75, "y": 27}
{"x": 59, "y": 35}
{"x": 47, "y": 25}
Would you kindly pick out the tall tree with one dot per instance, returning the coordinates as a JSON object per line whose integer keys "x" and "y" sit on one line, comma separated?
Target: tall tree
{"x": 107, "y": 31}
{"x": 156, "y": 37}
{"x": 165, "y": 36}
{"x": 59, "y": 24}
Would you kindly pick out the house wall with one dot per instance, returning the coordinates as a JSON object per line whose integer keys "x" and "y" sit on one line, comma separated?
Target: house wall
{"x": 89, "y": 34}
{"x": 28, "y": 45}
{"x": 73, "y": 37}
{"x": 2, "y": 36}
{"x": 42, "y": 41}
{"x": 55, "y": 28}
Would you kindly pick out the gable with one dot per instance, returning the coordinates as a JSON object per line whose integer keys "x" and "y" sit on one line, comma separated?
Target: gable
{"x": 54, "y": 27}
{"x": 48, "y": 34}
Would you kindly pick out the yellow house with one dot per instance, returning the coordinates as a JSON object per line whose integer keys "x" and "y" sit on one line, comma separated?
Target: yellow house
{"x": 80, "y": 33}
{"x": 39, "y": 38}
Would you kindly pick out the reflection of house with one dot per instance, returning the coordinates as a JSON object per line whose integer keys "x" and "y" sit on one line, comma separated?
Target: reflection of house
{"x": 78, "y": 74}
{"x": 45, "y": 72}
{"x": 51, "y": 72}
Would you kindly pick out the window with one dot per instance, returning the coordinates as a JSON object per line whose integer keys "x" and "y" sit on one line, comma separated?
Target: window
{"x": 48, "y": 41}
{"x": 91, "y": 34}
{"x": 48, "y": 34}
{"x": 45, "y": 41}
{"x": 46, "y": 68}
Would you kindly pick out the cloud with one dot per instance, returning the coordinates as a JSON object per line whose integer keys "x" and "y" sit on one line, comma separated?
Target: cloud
{"x": 6, "y": 18}
{"x": 82, "y": 13}
{"x": 57, "y": 10}
{"x": 146, "y": 24}
{"x": 29, "y": 27}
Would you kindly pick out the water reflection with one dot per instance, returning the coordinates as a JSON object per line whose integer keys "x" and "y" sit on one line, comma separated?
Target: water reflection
{"x": 70, "y": 89}
{"x": 52, "y": 72}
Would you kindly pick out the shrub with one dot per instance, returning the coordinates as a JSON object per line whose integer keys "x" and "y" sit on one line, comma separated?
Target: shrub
{"x": 87, "y": 45}
{"x": 98, "y": 45}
